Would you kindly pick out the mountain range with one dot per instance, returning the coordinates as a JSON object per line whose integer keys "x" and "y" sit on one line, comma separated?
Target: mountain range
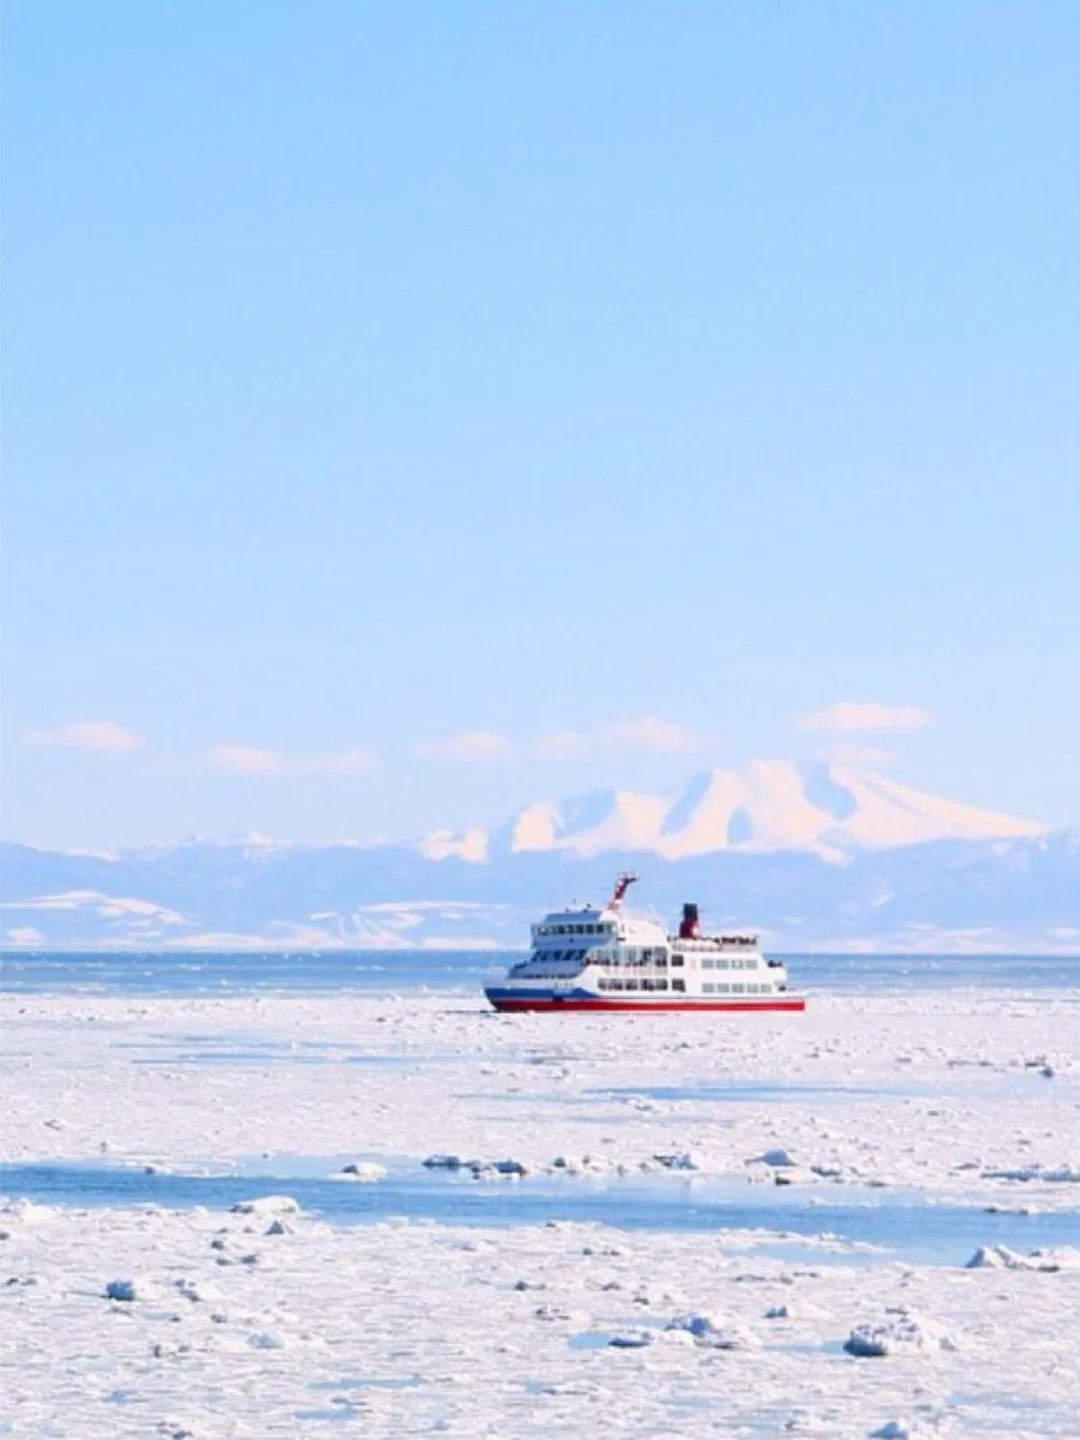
{"x": 815, "y": 856}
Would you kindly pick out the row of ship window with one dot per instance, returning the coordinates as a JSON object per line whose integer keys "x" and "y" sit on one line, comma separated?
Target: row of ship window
{"x": 627, "y": 956}
{"x": 611, "y": 983}
{"x": 735, "y": 987}
{"x": 575, "y": 930}
{"x": 655, "y": 957}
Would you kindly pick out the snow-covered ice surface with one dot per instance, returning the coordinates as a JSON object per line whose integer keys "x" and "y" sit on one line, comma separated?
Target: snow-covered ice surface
{"x": 272, "y": 1321}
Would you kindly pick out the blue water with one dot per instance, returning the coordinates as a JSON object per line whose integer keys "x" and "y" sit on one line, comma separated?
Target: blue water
{"x": 153, "y": 973}
{"x": 900, "y": 1223}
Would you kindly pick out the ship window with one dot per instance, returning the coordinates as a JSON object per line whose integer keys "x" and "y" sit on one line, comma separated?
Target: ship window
{"x": 659, "y": 984}
{"x": 661, "y": 962}
{"x": 676, "y": 960}
{"x": 678, "y": 984}
{"x": 630, "y": 984}
{"x": 646, "y": 984}
{"x": 708, "y": 989}
{"x": 738, "y": 988}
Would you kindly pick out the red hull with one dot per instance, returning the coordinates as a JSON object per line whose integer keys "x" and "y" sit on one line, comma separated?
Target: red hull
{"x": 528, "y": 1003}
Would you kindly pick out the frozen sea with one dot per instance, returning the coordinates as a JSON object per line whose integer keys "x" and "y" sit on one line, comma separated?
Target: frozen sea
{"x": 648, "y": 1226}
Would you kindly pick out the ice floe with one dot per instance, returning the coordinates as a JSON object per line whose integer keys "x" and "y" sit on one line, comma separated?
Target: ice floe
{"x": 899, "y": 1331}
{"x": 1052, "y": 1174}
{"x": 416, "y": 1327}
{"x": 267, "y": 1205}
{"x": 129, "y": 1290}
{"x": 707, "y": 1333}
{"x": 367, "y": 1171}
{"x": 1000, "y": 1257}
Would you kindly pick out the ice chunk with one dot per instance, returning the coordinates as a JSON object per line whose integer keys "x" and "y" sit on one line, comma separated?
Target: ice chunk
{"x": 267, "y": 1340}
{"x": 365, "y": 1170}
{"x": 678, "y": 1160}
{"x": 707, "y": 1333}
{"x": 899, "y": 1332}
{"x": 1000, "y": 1257}
{"x": 267, "y": 1205}
{"x": 26, "y": 1211}
{"x": 632, "y": 1340}
{"x": 130, "y": 1289}
{"x": 1055, "y": 1174}
{"x": 444, "y": 1162}
{"x": 779, "y": 1159}
{"x": 507, "y": 1169}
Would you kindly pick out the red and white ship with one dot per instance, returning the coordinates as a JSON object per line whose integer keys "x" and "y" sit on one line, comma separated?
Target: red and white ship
{"x": 606, "y": 959}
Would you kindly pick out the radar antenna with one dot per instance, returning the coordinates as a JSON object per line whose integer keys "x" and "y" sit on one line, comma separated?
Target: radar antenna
{"x": 625, "y": 880}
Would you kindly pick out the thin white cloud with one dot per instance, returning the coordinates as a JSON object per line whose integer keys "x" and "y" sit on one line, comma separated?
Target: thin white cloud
{"x": 650, "y": 733}
{"x": 86, "y": 735}
{"x": 472, "y": 745}
{"x": 251, "y": 760}
{"x": 852, "y": 716}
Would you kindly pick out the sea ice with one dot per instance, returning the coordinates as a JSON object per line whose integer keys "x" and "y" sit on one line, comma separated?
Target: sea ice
{"x": 708, "y": 1334}
{"x": 899, "y": 1332}
{"x": 487, "y": 1169}
{"x": 267, "y": 1205}
{"x": 677, "y": 1160}
{"x": 779, "y": 1159}
{"x": 1055, "y": 1174}
{"x": 365, "y": 1170}
{"x": 364, "y": 1307}
{"x": 267, "y": 1340}
{"x": 128, "y": 1290}
{"x": 1000, "y": 1257}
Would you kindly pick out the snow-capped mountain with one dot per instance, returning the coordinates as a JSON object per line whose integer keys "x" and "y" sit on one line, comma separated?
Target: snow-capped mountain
{"x": 812, "y": 856}
{"x": 830, "y": 810}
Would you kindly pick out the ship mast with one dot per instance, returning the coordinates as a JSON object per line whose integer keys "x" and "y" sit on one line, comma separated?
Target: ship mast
{"x": 625, "y": 880}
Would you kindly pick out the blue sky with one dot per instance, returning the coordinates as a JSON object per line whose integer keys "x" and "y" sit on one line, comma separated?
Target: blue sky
{"x": 653, "y": 374}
